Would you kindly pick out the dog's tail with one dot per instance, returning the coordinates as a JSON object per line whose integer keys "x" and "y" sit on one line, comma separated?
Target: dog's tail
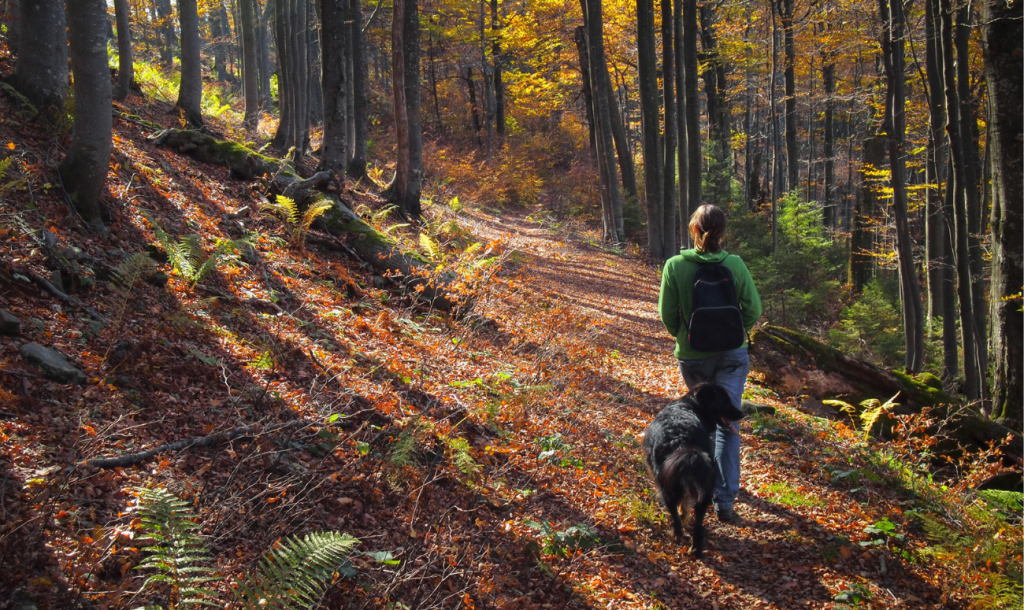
{"x": 687, "y": 473}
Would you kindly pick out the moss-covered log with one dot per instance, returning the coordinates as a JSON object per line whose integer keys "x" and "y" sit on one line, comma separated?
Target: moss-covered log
{"x": 796, "y": 364}
{"x": 382, "y": 253}
{"x": 406, "y": 269}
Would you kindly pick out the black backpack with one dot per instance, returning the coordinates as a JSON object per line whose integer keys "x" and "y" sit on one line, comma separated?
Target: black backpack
{"x": 716, "y": 324}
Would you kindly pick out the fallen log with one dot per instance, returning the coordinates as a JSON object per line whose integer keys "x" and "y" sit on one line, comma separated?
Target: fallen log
{"x": 405, "y": 269}
{"x": 796, "y": 364}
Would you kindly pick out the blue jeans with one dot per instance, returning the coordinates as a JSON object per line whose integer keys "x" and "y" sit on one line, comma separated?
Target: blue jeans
{"x": 728, "y": 370}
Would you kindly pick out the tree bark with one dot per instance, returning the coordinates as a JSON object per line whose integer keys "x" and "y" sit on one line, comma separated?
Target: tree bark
{"x": 190, "y": 94}
{"x": 669, "y": 97}
{"x": 165, "y": 15}
{"x": 12, "y": 19}
{"x": 580, "y": 37}
{"x": 694, "y": 161}
{"x": 84, "y": 169}
{"x": 411, "y": 25}
{"x": 263, "y": 42}
{"x": 680, "y": 216}
{"x": 622, "y": 152}
{"x": 867, "y": 201}
{"x": 720, "y": 166}
{"x": 124, "y": 50}
{"x": 893, "y": 27}
{"x": 496, "y": 58}
{"x": 357, "y": 162}
{"x": 972, "y": 382}
{"x": 828, "y": 76}
{"x": 333, "y": 151}
{"x": 218, "y": 21}
{"x": 41, "y": 70}
{"x": 613, "y": 219}
{"x": 650, "y": 120}
{"x": 1002, "y": 34}
{"x": 250, "y": 71}
{"x": 789, "y": 76}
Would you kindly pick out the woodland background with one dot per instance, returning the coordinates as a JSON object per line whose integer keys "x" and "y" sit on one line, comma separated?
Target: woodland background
{"x": 373, "y": 269}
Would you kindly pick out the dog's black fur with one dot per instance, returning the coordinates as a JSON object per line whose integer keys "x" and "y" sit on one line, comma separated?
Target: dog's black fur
{"x": 681, "y": 454}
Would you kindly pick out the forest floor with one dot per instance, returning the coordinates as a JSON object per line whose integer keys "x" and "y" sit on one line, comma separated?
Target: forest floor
{"x": 495, "y": 456}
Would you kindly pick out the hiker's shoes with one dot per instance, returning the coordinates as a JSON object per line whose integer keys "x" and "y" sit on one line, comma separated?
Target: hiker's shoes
{"x": 728, "y": 515}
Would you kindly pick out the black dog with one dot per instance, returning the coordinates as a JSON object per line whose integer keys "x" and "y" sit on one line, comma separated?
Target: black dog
{"x": 681, "y": 455}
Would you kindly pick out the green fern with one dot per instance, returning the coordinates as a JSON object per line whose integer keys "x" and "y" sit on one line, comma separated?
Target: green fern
{"x": 430, "y": 246}
{"x": 187, "y": 255}
{"x": 24, "y": 104}
{"x": 405, "y": 451}
{"x": 873, "y": 410}
{"x": 132, "y": 269}
{"x": 458, "y": 453}
{"x": 5, "y": 165}
{"x": 293, "y": 574}
{"x": 298, "y": 223}
{"x": 179, "y": 555}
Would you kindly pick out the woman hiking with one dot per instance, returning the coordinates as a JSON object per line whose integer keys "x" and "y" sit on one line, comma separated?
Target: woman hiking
{"x": 708, "y": 302}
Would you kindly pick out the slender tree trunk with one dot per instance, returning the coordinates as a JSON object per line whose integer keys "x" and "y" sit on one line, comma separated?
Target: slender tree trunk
{"x": 313, "y": 63}
{"x": 622, "y": 152}
{"x": 282, "y": 140}
{"x": 166, "y": 28}
{"x": 580, "y": 36}
{"x": 84, "y": 169}
{"x": 301, "y": 76}
{"x": 1002, "y": 33}
{"x": 693, "y": 146}
{"x": 594, "y": 20}
{"x": 682, "y": 143}
{"x": 789, "y": 75}
{"x": 401, "y": 181}
{"x": 650, "y": 120}
{"x": 333, "y": 152}
{"x": 496, "y": 57}
{"x": 218, "y": 35}
{"x": 893, "y": 24}
{"x": 41, "y": 70}
{"x": 668, "y": 71}
{"x": 357, "y": 165}
{"x": 190, "y": 94}
{"x": 972, "y": 174}
{"x": 972, "y": 383}
{"x": 263, "y": 41}
{"x": 250, "y": 73}
{"x": 828, "y": 75}
{"x": 720, "y": 177}
{"x": 411, "y": 25}
{"x": 125, "y": 72}
{"x": 775, "y": 147}
{"x": 12, "y": 19}
{"x": 474, "y": 108}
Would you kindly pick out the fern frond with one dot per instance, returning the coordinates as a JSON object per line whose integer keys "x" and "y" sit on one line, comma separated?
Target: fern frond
{"x": 224, "y": 249}
{"x": 23, "y": 102}
{"x": 315, "y": 210}
{"x": 5, "y": 165}
{"x": 430, "y": 246}
{"x": 378, "y": 217}
{"x": 458, "y": 452}
{"x": 293, "y": 575}
{"x": 132, "y": 269}
{"x": 179, "y": 554}
{"x": 400, "y": 225}
{"x": 286, "y": 208}
{"x": 873, "y": 411}
{"x": 405, "y": 450}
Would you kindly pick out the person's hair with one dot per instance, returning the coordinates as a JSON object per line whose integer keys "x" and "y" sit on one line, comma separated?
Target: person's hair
{"x": 707, "y": 227}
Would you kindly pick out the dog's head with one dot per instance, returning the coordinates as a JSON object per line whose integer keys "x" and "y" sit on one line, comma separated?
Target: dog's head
{"x": 713, "y": 406}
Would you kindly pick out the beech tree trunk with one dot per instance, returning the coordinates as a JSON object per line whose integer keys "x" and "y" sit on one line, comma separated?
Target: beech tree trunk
{"x": 84, "y": 169}
{"x": 333, "y": 151}
{"x": 668, "y": 71}
{"x": 41, "y": 70}
{"x": 250, "y": 70}
{"x": 190, "y": 94}
{"x": 124, "y": 50}
{"x": 357, "y": 161}
{"x": 165, "y": 15}
{"x": 692, "y": 108}
{"x": 1002, "y": 33}
{"x": 972, "y": 382}
{"x": 828, "y": 76}
{"x": 650, "y": 120}
{"x": 580, "y": 37}
{"x": 682, "y": 214}
{"x": 789, "y": 76}
{"x": 496, "y": 59}
{"x": 867, "y": 201}
{"x": 893, "y": 27}
{"x": 405, "y": 189}
{"x": 219, "y": 34}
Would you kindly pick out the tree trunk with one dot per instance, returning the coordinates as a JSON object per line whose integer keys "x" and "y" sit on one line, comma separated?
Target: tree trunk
{"x": 682, "y": 146}
{"x": 720, "y": 165}
{"x": 972, "y": 174}
{"x": 867, "y": 201}
{"x": 499, "y": 86}
{"x": 692, "y": 108}
{"x": 594, "y": 21}
{"x": 357, "y": 164}
{"x": 282, "y": 137}
{"x": 218, "y": 21}
{"x": 474, "y": 108}
{"x": 250, "y": 71}
{"x": 41, "y": 70}
{"x": 669, "y": 97}
{"x": 650, "y": 119}
{"x": 972, "y": 383}
{"x": 622, "y": 152}
{"x": 789, "y": 75}
{"x": 411, "y": 204}
{"x": 1002, "y": 34}
{"x": 313, "y": 65}
{"x": 263, "y": 41}
{"x": 828, "y": 76}
{"x": 84, "y": 169}
{"x": 124, "y": 50}
{"x": 333, "y": 151}
{"x": 893, "y": 27}
{"x": 190, "y": 94}
{"x": 580, "y": 36}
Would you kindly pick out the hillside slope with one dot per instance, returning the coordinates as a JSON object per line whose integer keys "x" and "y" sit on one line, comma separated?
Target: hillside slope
{"x": 495, "y": 456}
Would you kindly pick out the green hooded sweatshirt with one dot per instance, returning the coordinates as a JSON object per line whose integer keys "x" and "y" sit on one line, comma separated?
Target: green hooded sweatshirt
{"x": 676, "y": 298}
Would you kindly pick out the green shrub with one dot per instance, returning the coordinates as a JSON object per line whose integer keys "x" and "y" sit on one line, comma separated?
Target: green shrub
{"x": 871, "y": 328}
